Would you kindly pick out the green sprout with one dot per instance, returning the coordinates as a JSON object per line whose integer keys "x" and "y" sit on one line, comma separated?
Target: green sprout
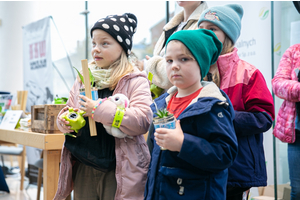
{"x": 163, "y": 113}
{"x": 92, "y": 79}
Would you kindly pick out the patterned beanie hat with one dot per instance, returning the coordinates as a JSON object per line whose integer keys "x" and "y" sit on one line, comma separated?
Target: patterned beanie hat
{"x": 120, "y": 27}
{"x": 203, "y": 44}
{"x": 227, "y": 18}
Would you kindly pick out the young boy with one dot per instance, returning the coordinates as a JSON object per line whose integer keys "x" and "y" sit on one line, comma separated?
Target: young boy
{"x": 203, "y": 144}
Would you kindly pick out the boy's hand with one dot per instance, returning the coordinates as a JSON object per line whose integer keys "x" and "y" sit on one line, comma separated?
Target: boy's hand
{"x": 170, "y": 139}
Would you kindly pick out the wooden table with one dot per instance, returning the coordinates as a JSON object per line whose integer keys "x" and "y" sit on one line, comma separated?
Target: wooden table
{"x": 51, "y": 145}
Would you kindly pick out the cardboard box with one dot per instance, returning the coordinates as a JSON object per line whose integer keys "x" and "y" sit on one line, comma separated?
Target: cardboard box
{"x": 287, "y": 193}
{"x": 263, "y": 198}
{"x": 43, "y": 118}
{"x": 267, "y": 193}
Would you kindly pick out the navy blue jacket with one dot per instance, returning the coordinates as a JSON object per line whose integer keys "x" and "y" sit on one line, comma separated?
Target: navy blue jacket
{"x": 199, "y": 170}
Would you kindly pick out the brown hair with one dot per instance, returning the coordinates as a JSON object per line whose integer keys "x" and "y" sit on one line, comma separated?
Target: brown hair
{"x": 227, "y": 46}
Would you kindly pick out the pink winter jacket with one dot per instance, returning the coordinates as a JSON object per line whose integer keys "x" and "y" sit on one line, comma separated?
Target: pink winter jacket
{"x": 132, "y": 155}
{"x": 286, "y": 86}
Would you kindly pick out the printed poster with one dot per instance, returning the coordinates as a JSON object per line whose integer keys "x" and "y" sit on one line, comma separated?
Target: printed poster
{"x": 38, "y": 70}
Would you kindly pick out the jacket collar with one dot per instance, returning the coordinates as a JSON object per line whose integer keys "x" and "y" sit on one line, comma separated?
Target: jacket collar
{"x": 177, "y": 19}
{"x": 210, "y": 89}
{"x": 227, "y": 61}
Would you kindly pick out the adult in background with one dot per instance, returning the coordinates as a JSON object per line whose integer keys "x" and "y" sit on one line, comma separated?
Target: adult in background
{"x": 185, "y": 20}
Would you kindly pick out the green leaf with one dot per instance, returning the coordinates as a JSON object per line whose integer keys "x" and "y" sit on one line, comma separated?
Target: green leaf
{"x": 150, "y": 77}
{"x": 92, "y": 79}
{"x": 80, "y": 76}
{"x": 162, "y": 113}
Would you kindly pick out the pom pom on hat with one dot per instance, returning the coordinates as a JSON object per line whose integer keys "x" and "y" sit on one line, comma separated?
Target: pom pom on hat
{"x": 120, "y": 27}
{"x": 227, "y": 18}
{"x": 203, "y": 44}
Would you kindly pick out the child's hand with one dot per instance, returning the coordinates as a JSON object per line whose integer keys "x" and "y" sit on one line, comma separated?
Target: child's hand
{"x": 88, "y": 105}
{"x": 64, "y": 123}
{"x": 170, "y": 139}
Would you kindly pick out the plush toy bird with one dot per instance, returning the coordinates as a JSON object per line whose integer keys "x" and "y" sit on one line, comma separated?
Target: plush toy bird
{"x": 122, "y": 102}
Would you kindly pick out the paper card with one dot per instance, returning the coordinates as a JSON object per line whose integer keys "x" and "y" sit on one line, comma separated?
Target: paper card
{"x": 11, "y": 119}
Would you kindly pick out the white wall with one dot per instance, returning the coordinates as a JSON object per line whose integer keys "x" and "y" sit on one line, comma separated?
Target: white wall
{"x": 13, "y": 16}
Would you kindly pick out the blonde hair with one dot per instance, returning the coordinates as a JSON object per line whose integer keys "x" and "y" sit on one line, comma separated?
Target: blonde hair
{"x": 227, "y": 46}
{"x": 119, "y": 68}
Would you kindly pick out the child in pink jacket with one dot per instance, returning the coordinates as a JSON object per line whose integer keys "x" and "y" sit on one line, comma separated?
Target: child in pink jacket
{"x": 286, "y": 86}
{"x": 104, "y": 167}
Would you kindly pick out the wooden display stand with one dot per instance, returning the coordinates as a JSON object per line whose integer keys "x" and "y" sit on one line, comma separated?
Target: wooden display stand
{"x": 51, "y": 145}
{"x": 43, "y": 118}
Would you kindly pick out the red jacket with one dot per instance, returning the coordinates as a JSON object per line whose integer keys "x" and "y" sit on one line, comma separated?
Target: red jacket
{"x": 254, "y": 111}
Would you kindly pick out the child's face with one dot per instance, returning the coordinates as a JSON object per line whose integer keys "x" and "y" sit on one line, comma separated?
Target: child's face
{"x": 210, "y": 26}
{"x": 106, "y": 49}
{"x": 183, "y": 71}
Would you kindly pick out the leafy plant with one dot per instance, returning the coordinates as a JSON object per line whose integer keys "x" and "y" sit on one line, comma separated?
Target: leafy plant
{"x": 163, "y": 113}
{"x": 92, "y": 78}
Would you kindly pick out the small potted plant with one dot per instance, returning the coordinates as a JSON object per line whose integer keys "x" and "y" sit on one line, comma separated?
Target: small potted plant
{"x": 94, "y": 90}
{"x": 164, "y": 119}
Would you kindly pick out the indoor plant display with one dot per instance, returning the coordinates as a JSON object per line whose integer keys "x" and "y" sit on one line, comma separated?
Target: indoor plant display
{"x": 94, "y": 90}
{"x": 164, "y": 119}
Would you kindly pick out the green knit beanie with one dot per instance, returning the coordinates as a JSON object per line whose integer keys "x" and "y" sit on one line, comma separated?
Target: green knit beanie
{"x": 203, "y": 44}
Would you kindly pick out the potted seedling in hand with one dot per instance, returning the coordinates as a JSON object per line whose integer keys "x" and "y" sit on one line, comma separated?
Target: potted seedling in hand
{"x": 164, "y": 119}
{"x": 94, "y": 90}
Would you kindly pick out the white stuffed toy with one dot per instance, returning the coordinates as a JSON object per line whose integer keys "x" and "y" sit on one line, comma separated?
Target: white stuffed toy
{"x": 122, "y": 102}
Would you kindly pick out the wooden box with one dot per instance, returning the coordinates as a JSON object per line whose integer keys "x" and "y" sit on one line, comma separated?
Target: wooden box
{"x": 43, "y": 118}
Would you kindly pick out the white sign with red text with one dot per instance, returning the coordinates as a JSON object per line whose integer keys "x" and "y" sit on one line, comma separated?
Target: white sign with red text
{"x": 37, "y": 63}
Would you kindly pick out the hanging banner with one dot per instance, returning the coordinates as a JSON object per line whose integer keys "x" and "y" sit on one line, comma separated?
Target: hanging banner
{"x": 37, "y": 69}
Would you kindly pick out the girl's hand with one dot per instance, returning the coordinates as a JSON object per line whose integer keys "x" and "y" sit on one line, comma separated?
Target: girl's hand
{"x": 64, "y": 123}
{"x": 170, "y": 139}
{"x": 88, "y": 105}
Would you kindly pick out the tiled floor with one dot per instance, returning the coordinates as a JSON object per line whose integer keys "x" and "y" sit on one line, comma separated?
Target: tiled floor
{"x": 13, "y": 182}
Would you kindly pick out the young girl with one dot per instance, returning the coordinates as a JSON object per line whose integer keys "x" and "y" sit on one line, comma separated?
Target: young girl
{"x": 203, "y": 144}
{"x": 103, "y": 167}
{"x": 286, "y": 86}
{"x": 250, "y": 97}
